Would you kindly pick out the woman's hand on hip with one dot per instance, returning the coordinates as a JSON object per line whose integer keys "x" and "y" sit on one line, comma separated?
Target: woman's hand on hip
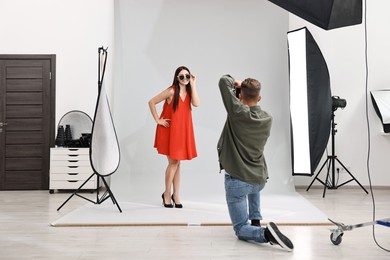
{"x": 164, "y": 122}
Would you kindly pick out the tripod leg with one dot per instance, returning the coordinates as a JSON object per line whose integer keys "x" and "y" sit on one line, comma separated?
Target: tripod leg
{"x": 327, "y": 177}
{"x": 111, "y": 194}
{"x": 353, "y": 178}
{"x": 316, "y": 177}
{"x": 75, "y": 192}
{"x": 97, "y": 187}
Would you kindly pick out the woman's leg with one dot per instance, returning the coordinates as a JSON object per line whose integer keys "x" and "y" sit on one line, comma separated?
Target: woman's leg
{"x": 176, "y": 185}
{"x": 169, "y": 177}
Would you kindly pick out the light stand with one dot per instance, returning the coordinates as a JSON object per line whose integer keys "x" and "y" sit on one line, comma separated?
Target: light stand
{"x": 331, "y": 159}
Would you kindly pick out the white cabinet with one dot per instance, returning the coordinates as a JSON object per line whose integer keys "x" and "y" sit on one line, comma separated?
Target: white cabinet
{"x": 69, "y": 168}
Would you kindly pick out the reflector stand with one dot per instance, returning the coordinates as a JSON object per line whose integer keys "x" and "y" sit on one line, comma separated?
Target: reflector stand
{"x": 104, "y": 151}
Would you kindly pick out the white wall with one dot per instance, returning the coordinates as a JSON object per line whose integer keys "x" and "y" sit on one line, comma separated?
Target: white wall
{"x": 344, "y": 52}
{"x": 152, "y": 38}
{"x": 73, "y": 30}
{"x": 246, "y": 38}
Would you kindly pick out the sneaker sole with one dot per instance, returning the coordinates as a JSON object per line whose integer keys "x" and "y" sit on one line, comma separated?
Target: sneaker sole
{"x": 277, "y": 234}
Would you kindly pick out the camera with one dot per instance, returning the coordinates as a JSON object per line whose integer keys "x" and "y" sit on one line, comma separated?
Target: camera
{"x": 237, "y": 92}
{"x": 338, "y": 102}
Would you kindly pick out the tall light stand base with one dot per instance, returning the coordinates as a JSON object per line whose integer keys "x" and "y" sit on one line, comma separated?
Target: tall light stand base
{"x": 331, "y": 165}
{"x": 330, "y": 161}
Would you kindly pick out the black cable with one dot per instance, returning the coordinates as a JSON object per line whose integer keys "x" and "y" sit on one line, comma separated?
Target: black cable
{"x": 369, "y": 132}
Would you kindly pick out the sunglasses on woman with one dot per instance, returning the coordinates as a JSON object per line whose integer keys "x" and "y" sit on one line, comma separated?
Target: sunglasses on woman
{"x": 186, "y": 76}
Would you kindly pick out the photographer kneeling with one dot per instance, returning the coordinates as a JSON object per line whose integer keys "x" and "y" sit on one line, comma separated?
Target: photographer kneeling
{"x": 240, "y": 152}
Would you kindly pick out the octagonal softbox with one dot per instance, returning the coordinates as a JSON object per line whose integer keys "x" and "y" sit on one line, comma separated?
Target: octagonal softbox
{"x": 327, "y": 14}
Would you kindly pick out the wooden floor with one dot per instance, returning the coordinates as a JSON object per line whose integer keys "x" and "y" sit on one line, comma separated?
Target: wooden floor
{"x": 25, "y": 232}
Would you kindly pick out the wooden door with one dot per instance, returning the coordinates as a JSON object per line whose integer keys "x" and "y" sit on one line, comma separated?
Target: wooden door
{"x": 27, "y": 120}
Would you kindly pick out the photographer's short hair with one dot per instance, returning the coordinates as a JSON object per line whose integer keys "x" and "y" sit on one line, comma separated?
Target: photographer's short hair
{"x": 250, "y": 89}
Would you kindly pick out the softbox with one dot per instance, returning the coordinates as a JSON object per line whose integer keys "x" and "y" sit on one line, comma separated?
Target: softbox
{"x": 310, "y": 102}
{"x": 327, "y": 14}
{"x": 381, "y": 102}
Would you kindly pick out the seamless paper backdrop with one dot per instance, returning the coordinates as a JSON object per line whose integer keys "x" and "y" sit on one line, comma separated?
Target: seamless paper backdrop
{"x": 212, "y": 38}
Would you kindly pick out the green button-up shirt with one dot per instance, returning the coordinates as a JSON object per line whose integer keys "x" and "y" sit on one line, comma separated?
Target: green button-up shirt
{"x": 246, "y": 130}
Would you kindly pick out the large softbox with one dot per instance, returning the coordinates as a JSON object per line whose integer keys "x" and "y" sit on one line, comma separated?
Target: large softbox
{"x": 327, "y": 14}
{"x": 310, "y": 102}
{"x": 381, "y": 102}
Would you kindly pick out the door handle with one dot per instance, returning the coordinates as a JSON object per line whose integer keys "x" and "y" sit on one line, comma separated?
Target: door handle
{"x": 3, "y": 124}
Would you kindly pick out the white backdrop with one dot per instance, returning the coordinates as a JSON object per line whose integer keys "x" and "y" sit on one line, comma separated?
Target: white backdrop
{"x": 212, "y": 38}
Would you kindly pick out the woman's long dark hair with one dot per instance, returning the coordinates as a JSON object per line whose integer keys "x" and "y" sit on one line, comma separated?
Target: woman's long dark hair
{"x": 177, "y": 87}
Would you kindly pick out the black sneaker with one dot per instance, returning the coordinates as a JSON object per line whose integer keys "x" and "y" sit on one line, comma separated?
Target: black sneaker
{"x": 274, "y": 236}
{"x": 255, "y": 222}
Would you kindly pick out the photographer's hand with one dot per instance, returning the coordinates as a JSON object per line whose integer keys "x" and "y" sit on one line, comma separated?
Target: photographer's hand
{"x": 237, "y": 83}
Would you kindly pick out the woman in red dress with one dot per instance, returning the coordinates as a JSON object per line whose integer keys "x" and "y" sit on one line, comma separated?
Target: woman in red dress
{"x": 175, "y": 133}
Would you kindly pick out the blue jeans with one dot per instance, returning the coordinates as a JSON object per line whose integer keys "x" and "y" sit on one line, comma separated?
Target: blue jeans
{"x": 254, "y": 206}
{"x": 238, "y": 193}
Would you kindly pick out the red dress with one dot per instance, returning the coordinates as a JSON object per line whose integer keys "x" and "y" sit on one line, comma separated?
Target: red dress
{"x": 176, "y": 141}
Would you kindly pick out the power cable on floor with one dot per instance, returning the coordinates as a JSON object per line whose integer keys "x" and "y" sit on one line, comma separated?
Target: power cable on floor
{"x": 369, "y": 132}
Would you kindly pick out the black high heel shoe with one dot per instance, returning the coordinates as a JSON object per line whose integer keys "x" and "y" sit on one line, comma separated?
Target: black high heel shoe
{"x": 176, "y": 205}
{"x": 166, "y": 205}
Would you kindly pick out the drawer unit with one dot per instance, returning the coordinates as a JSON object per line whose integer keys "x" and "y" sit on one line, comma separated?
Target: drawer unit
{"x": 69, "y": 168}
